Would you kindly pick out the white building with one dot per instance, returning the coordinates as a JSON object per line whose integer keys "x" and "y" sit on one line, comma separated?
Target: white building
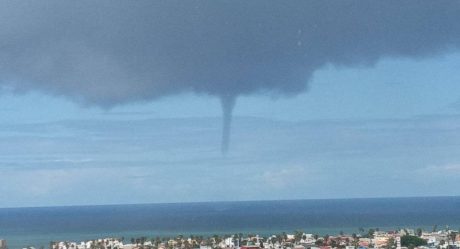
{"x": 308, "y": 238}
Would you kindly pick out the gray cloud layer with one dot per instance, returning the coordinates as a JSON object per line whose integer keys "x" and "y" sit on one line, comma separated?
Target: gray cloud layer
{"x": 111, "y": 52}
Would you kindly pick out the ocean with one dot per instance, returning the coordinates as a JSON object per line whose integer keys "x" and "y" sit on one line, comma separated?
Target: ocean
{"x": 23, "y": 227}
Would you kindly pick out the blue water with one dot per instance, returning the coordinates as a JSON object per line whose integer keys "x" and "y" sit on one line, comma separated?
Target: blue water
{"x": 38, "y": 226}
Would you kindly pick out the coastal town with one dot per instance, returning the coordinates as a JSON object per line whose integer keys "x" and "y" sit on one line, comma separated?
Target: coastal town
{"x": 372, "y": 238}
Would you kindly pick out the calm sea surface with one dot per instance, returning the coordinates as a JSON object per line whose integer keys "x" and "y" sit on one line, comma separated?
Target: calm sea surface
{"x": 38, "y": 226}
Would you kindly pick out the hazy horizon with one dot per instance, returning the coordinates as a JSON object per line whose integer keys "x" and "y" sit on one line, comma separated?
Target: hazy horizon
{"x": 239, "y": 201}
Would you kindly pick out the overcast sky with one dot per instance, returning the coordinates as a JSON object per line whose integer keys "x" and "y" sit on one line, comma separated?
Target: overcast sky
{"x": 119, "y": 102}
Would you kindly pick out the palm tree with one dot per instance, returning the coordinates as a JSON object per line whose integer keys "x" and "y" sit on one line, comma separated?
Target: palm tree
{"x": 199, "y": 240}
{"x": 298, "y": 235}
{"x": 370, "y": 233}
{"x": 326, "y": 239}
{"x": 319, "y": 242}
{"x": 315, "y": 236}
{"x": 452, "y": 236}
{"x": 157, "y": 241}
{"x": 279, "y": 238}
{"x": 284, "y": 236}
{"x": 273, "y": 240}
{"x": 356, "y": 242}
{"x": 235, "y": 239}
{"x": 442, "y": 242}
{"x": 187, "y": 245}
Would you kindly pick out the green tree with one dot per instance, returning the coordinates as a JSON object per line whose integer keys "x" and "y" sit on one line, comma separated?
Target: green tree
{"x": 333, "y": 243}
{"x": 273, "y": 240}
{"x": 412, "y": 241}
{"x": 279, "y": 237}
{"x": 390, "y": 243}
{"x": 298, "y": 235}
{"x": 355, "y": 240}
{"x": 370, "y": 233}
{"x": 157, "y": 241}
{"x": 217, "y": 239}
{"x": 319, "y": 242}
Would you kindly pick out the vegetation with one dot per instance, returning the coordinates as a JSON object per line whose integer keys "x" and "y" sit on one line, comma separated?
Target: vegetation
{"x": 390, "y": 243}
{"x": 452, "y": 236}
{"x": 412, "y": 241}
{"x": 370, "y": 233}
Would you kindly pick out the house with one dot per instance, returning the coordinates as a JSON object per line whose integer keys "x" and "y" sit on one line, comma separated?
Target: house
{"x": 290, "y": 237}
{"x": 364, "y": 242}
{"x": 381, "y": 241}
{"x": 308, "y": 239}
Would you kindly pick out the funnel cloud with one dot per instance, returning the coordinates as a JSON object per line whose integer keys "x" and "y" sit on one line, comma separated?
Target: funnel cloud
{"x": 228, "y": 103}
{"x": 108, "y": 53}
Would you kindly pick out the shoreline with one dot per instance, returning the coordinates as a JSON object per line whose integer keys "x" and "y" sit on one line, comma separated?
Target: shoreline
{"x": 405, "y": 238}
{"x": 19, "y": 241}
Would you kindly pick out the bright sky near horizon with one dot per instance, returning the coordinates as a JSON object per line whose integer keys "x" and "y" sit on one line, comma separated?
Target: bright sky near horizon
{"x": 388, "y": 127}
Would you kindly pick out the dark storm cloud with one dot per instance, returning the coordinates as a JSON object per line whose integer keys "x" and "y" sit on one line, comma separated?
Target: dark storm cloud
{"x": 112, "y": 52}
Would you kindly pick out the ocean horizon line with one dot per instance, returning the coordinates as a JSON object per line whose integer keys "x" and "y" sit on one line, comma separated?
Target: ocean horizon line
{"x": 234, "y": 201}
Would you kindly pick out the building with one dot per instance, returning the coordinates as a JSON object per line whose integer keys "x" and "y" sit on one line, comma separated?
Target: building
{"x": 364, "y": 242}
{"x": 381, "y": 241}
{"x": 3, "y": 244}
